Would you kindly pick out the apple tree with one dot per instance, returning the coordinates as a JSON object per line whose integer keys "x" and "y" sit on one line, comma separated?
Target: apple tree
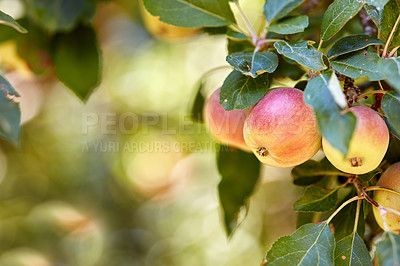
{"x": 317, "y": 76}
{"x": 341, "y": 57}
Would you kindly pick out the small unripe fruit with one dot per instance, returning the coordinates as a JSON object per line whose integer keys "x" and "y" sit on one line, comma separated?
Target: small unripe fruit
{"x": 281, "y": 129}
{"x": 389, "y": 179}
{"x": 368, "y": 144}
{"x": 225, "y": 126}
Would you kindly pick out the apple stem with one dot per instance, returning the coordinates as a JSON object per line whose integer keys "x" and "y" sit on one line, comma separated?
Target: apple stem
{"x": 389, "y": 40}
{"x": 373, "y": 202}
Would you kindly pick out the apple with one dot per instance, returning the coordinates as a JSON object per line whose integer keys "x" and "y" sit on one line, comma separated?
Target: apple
{"x": 225, "y": 126}
{"x": 282, "y": 129}
{"x": 389, "y": 179}
{"x": 163, "y": 30}
{"x": 368, "y": 144}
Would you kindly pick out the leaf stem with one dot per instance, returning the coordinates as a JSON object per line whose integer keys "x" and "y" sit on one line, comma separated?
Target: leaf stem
{"x": 357, "y": 215}
{"x": 320, "y": 45}
{"x": 391, "y": 36}
{"x": 378, "y": 47}
{"x": 254, "y": 55}
{"x": 373, "y": 188}
{"x": 253, "y": 33}
{"x": 342, "y": 206}
{"x": 393, "y": 51}
{"x": 268, "y": 40}
{"x": 239, "y": 29}
{"x": 370, "y": 93}
{"x": 380, "y": 85}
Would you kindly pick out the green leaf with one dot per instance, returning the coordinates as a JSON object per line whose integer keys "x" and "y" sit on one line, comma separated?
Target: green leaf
{"x": 390, "y": 69}
{"x": 358, "y": 64}
{"x": 366, "y": 206}
{"x": 212, "y": 31}
{"x": 352, "y": 250}
{"x": 240, "y": 172}
{"x": 337, "y": 15}
{"x": 9, "y": 21}
{"x": 192, "y": 13}
{"x": 198, "y": 105}
{"x": 388, "y": 250}
{"x": 77, "y": 60}
{"x": 311, "y": 244}
{"x": 343, "y": 222}
{"x": 391, "y": 107}
{"x": 289, "y": 25}
{"x": 288, "y": 68}
{"x": 374, "y": 14}
{"x": 352, "y": 43}
{"x": 276, "y": 9}
{"x": 316, "y": 199}
{"x": 305, "y": 218}
{"x": 300, "y": 52}
{"x": 235, "y": 46}
{"x": 241, "y": 92}
{"x": 253, "y": 66}
{"x": 311, "y": 172}
{"x": 57, "y": 15}
{"x": 368, "y": 176}
{"x": 236, "y": 35}
{"x": 380, "y": 4}
{"x": 337, "y": 128}
{"x": 389, "y": 17}
{"x": 10, "y": 114}
{"x": 35, "y": 48}
{"x": 6, "y": 87}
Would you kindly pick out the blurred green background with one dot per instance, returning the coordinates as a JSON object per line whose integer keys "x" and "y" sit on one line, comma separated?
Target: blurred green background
{"x": 127, "y": 178}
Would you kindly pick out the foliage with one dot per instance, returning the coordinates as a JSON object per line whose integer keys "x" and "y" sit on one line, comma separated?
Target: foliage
{"x": 62, "y": 43}
{"x": 356, "y": 56}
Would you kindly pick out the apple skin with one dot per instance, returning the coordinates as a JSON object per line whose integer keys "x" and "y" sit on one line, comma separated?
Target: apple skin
{"x": 389, "y": 179}
{"x": 368, "y": 144}
{"x": 282, "y": 129}
{"x": 225, "y": 126}
{"x": 163, "y": 30}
